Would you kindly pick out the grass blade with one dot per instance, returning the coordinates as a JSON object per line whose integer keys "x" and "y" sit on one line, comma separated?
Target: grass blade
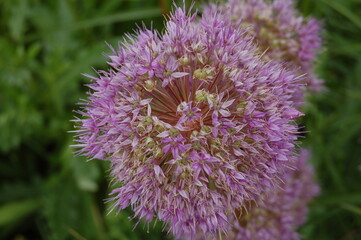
{"x": 344, "y": 11}
{"x": 119, "y": 17}
{"x": 12, "y": 212}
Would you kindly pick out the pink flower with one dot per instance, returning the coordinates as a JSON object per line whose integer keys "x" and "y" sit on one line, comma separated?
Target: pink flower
{"x": 195, "y": 124}
{"x": 280, "y": 33}
{"x": 280, "y": 213}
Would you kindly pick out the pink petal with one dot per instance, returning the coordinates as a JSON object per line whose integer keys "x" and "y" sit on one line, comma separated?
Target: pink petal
{"x": 183, "y": 194}
{"x": 179, "y": 74}
{"x": 224, "y": 113}
{"x": 163, "y": 134}
{"x": 228, "y": 103}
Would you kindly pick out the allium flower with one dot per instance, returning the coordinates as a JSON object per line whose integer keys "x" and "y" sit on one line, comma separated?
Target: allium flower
{"x": 280, "y": 33}
{"x": 281, "y": 212}
{"x": 194, "y": 123}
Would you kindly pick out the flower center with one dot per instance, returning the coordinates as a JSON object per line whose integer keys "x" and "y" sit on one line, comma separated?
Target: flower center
{"x": 193, "y": 125}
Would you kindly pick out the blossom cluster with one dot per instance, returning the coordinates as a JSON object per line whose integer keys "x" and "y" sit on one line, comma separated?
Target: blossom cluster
{"x": 280, "y": 33}
{"x": 280, "y": 212}
{"x": 199, "y": 127}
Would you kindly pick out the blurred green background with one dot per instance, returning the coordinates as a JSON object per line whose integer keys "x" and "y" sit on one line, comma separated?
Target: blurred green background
{"x": 47, "y": 193}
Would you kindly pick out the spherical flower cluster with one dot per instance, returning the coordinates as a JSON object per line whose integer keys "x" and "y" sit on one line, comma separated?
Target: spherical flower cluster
{"x": 284, "y": 211}
{"x": 194, "y": 123}
{"x": 281, "y": 212}
{"x": 280, "y": 33}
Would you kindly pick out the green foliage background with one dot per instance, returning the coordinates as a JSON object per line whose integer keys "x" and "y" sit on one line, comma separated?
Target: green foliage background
{"x": 47, "y": 193}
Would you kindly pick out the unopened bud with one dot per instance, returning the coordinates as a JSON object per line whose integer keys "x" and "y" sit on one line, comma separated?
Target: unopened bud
{"x": 149, "y": 142}
{"x": 174, "y": 131}
{"x": 158, "y": 152}
{"x": 138, "y": 152}
{"x": 149, "y": 85}
{"x": 205, "y": 129}
{"x": 194, "y": 134}
{"x": 196, "y": 145}
{"x": 184, "y": 60}
{"x": 159, "y": 128}
{"x": 200, "y": 74}
{"x": 147, "y": 120}
{"x": 263, "y": 32}
{"x": 201, "y": 95}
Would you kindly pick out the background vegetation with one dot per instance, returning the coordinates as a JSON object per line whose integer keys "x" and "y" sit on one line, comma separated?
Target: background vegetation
{"x": 47, "y": 193}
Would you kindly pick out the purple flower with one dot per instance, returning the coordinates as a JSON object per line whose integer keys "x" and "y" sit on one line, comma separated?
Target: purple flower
{"x": 280, "y": 33}
{"x": 202, "y": 163}
{"x": 280, "y": 213}
{"x": 194, "y": 123}
{"x": 189, "y": 116}
{"x": 175, "y": 145}
{"x": 284, "y": 211}
{"x": 168, "y": 73}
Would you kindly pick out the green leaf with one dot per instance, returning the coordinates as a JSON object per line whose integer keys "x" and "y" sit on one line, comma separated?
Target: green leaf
{"x": 352, "y": 208}
{"x": 17, "y": 23}
{"x": 344, "y": 11}
{"x": 119, "y": 17}
{"x": 12, "y": 212}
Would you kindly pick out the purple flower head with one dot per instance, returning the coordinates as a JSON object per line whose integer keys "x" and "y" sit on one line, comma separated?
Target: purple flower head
{"x": 280, "y": 33}
{"x": 194, "y": 123}
{"x": 280, "y": 213}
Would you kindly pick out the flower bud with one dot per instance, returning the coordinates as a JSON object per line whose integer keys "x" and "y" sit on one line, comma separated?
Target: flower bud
{"x": 149, "y": 85}
{"x": 200, "y": 74}
{"x": 201, "y": 95}
{"x": 149, "y": 142}
{"x": 184, "y": 60}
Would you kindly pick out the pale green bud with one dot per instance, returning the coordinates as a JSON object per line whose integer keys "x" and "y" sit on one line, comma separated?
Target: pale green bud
{"x": 158, "y": 152}
{"x": 194, "y": 133}
{"x": 184, "y": 60}
{"x": 160, "y": 128}
{"x": 147, "y": 121}
{"x": 174, "y": 131}
{"x": 149, "y": 142}
{"x": 201, "y": 95}
{"x": 200, "y": 74}
{"x": 149, "y": 85}
{"x": 206, "y": 129}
